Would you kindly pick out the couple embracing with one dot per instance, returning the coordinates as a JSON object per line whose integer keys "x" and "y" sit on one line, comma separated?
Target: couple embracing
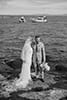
{"x": 33, "y": 52}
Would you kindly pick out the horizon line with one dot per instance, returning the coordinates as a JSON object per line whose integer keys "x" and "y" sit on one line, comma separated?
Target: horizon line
{"x": 33, "y": 14}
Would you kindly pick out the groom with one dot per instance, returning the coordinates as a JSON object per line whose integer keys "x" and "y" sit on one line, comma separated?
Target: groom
{"x": 39, "y": 57}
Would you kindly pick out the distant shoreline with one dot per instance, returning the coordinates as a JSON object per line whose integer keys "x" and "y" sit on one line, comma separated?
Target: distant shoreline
{"x": 35, "y": 15}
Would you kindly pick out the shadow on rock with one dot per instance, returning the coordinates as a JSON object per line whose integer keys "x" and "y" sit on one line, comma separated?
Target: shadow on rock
{"x": 14, "y": 63}
{"x": 60, "y": 68}
{"x": 64, "y": 98}
{"x": 61, "y": 77}
{"x": 60, "y": 85}
{"x": 15, "y": 97}
{"x": 36, "y": 89}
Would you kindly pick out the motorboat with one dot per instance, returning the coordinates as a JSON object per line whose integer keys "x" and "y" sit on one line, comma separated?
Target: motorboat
{"x": 39, "y": 19}
{"x": 22, "y": 19}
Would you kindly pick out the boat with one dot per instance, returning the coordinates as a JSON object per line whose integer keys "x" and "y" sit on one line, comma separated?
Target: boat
{"x": 39, "y": 19}
{"x": 22, "y": 19}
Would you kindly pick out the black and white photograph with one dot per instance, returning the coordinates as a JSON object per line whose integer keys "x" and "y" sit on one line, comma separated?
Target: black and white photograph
{"x": 33, "y": 49}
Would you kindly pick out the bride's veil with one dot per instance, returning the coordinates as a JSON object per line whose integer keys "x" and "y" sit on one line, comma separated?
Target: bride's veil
{"x": 25, "y": 47}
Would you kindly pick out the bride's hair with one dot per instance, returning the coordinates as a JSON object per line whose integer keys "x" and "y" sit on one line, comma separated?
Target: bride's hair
{"x": 29, "y": 40}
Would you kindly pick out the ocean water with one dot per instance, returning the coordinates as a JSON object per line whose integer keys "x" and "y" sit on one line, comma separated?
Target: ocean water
{"x": 54, "y": 35}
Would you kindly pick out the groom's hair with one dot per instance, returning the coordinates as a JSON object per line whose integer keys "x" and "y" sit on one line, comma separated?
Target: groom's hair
{"x": 37, "y": 36}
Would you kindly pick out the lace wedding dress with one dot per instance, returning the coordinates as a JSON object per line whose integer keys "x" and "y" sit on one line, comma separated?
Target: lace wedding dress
{"x": 26, "y": 56}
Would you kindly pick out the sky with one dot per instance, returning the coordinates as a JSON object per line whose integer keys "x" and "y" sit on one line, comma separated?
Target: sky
{"x": 26, "y": 7}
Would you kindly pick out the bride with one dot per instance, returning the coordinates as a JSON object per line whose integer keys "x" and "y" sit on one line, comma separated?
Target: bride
{"x": 26, "y": 56}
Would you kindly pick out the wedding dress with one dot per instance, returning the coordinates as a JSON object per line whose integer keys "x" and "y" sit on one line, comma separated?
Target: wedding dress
{"x": 26, "y": 56}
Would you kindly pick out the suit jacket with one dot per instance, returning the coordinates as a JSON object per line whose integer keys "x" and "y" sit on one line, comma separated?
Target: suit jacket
{"x": 40, "y": 53}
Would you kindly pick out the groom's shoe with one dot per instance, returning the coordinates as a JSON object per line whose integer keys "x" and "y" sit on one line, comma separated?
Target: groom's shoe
{"x": 40, "y": 78}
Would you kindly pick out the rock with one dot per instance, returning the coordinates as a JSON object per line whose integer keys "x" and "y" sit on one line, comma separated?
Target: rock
{"x": 2, "y": 77}
{"x": 14, "y": 63}
{"x": 64, "y": 98}
{"x": 60, "y": 68}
